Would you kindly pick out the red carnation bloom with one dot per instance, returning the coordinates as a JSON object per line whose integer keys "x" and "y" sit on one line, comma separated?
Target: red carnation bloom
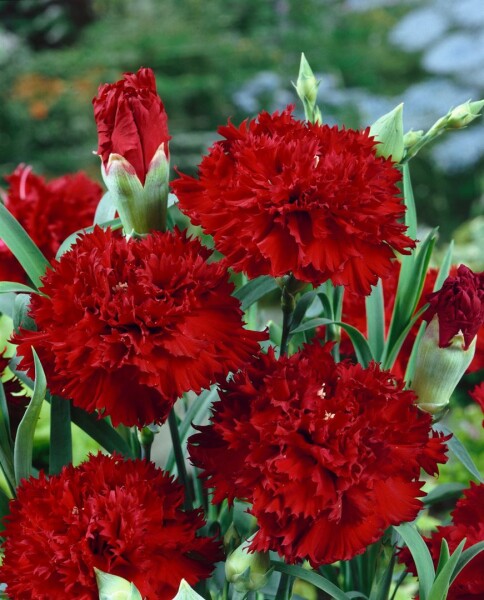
{"x": 468, "y": 522}
{"x": 48, "y": 211}
{"x": 127, "y": 326}
{"x": 280, "y": 195}
{"x": 318, "y": 450}
{"x": 123, "y": 517}
{"x": 459, "y": 306}
{"x": 131, "y": 120}
{"x": 14, "y": 395}
{"x": 477, "y": 394}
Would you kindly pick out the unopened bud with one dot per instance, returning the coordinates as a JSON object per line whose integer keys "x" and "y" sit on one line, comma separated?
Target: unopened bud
{"x": 185, "y": 592}
{"x": 248, "y": 571}
{"x": 232, "y": 539}
{"x": 307, "y": 84}
{"x": 439, "y": 369}
{"x": 113, "y": 587}
{"x": 462, "y": 115}
{"x": 412, "y": 137}
{"x": 388, "y": 130}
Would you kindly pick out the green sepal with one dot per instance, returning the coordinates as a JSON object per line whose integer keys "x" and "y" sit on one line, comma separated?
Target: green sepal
{"x": 185, "y": 592}
{"x": 113, "y": 587}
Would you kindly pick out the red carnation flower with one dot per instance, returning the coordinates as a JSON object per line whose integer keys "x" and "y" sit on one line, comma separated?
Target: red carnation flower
{"x": 477, "y": 394}
{"x": 127, "y": 326}
{"x": 131, "y": 120}
{"x": 48, "y": 211}
{"x": 318, "y": 450}
{"x": 459, "y": 306}
{"x": 468, "y": 522}
{"x": 123, "y": 517}
{"x": 14, "y": 395}
{"x": 280, "y": 195}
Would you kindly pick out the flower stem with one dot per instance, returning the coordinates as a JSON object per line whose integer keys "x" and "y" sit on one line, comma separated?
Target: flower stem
{"x": 285, "y": 587}
{"x": 287, "y": 304}
{"x": 145, "y": 438}
{"x": 180, "y": 460}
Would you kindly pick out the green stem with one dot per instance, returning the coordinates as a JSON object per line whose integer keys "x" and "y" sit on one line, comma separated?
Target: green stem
{"x": 180, "y": 459}
{"x": 146, "y": 438}
{"x": 287, "y": 304}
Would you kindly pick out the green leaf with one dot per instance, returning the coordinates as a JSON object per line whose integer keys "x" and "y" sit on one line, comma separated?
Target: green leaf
{"x": 445, "y": 267}
{"x": 60, "y": 450}
{"x": 310, "y": 576}
{"x": 410, "y": 284}
{"x": 375, "y": 319}
{"x": 101, "y": 432}
{"x": 24, "y": 439}
{"x": 301, "y": 307}
{"x": 362, "y": 349}
{"x": 113, "y": 587}
{"x": 442, "y": 582}
{"x": 20, "y": 316}
{"x": 7, "y": 287}
{"x": 459, "y": 451}
{"x": 443, "y": 493}
{"x": 412, "y": 361}
{"x": 185, "y": 592}
{"x": 421, "y": 556}
{"x": 198, "y": 409}
{"x": 443, "y": 557}
{"x": 105, "y": 210}
{"x": 6, "y": 449}
{"x": 22, "y": 247}
{"x": 70, "y": 240}
{"x": 466, "y": 557}
{"x": 390, "y": 358}
{"x": 255, "y": 289}
{"x": 381, "y": 586}
{"x": 4, "y": 509}
{"x": 409, "y": 201}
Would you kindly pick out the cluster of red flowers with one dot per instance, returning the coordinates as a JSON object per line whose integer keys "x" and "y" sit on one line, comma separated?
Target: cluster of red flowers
{"x": 147, "y": 320}
{"x": 317, "y": 448}
{"x": 468, "y": 523}
{"x": 282, "y": 196}
{"x": 122, "y": 517}
{"x": 48, "y": 211}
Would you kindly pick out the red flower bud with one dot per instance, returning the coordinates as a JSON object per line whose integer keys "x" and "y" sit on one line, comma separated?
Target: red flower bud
{"x": 131, "y": 120}
{"x": 459, "y": 306}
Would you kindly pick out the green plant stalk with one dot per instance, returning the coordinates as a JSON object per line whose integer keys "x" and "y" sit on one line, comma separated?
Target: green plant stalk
{"x": 287, "y": 304}
{"x": 180, "y": 459}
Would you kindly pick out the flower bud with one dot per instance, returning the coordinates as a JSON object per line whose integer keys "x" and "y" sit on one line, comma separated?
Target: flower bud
{"x": 462, "y": 115}
{"x": 439, "y": 369}
{"x": 388, "y": 130}
{"x": 248, "y": 571}
{"x": 232, "y": 539}
{"x": 113, "y": 587}
{"x": 185, "y": 592}
{"x": 307, "y": 84}
{"x": 412, "y": 137}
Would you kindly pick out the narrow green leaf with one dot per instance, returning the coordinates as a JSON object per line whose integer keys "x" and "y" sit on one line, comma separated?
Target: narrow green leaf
{"x": 22, "y": 247}
{"x": 421, "y": 556}
{"x": 466, "y": 557}
{"x": 101, "y": 432}
{"x": 409, "y": 201}
{"x": 71, "y": 239}
{"x": 4, "y": 509}
{"x": 362, "y": 349}
{"x": 310, "y": 576}
{"x": 460, "y": 451}
{"x": 20, "y": 316}
{"x": 443, "y": 493}
{"x": 441, "y": 584}
{"x": 255, "y": 289}
{"x": 60, "y": 450}
{"x": 445, "y": 267}
{"x": 443, "y": 557}
{"x": 301, "y": 307}
{"x": 24, "y": 439}
{"x": 7, "y": 287}
{"x": 375, "y": 319}
{"x": 105, "y": 210}
{"x": 389, "y": 359}
{"x": 412, "y": 361}
{"x": 198, "y": 409}
{"x": 6, "y": 444}
{"x": 381, "y": 586}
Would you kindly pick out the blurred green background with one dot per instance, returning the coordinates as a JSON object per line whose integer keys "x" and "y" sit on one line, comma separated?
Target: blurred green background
{"x": 225, "y": 58}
